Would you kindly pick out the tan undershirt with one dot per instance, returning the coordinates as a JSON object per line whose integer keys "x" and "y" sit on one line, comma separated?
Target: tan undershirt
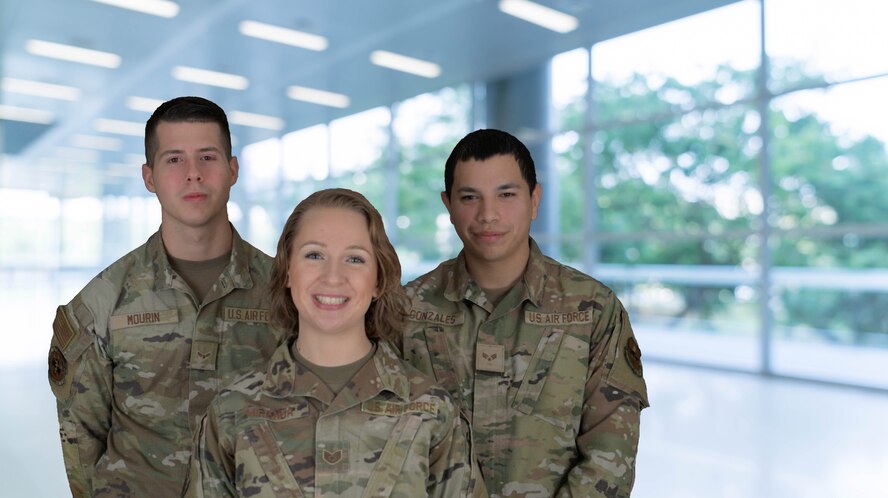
{"x": 200, "y": 275}
{"x": 494, "y": 296}
{"x": 335, "y": 377}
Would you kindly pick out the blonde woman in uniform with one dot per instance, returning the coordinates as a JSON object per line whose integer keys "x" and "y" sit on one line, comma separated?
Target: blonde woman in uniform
{"x": 336, "y": 413}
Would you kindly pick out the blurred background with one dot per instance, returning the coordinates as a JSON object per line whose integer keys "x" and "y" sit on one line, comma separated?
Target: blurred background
{"x": 721, "y": 165}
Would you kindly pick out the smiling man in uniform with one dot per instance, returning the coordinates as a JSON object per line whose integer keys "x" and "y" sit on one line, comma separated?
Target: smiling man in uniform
{"x": 137, "y": 356}
{"x": 541, "y": 357}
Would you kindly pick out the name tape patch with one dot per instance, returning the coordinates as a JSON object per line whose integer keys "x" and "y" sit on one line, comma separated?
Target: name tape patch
{"x": 396, "y": 409}
{"x": 143, "y": 319}
{"x": 277, "y": 414}
{"x": 560, "y": 318}
{"x": 431, "y": 316}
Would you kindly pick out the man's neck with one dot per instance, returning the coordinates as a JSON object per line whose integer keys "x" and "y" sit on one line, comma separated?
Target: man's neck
{"x": 197, "y": 244}
{"x": 502, "y": 274}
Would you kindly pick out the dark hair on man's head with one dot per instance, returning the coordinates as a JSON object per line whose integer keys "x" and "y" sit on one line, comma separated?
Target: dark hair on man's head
{"x": 186, "y": 110}
{"x": 385, "y": 317}
{"x": 481, "y": 145}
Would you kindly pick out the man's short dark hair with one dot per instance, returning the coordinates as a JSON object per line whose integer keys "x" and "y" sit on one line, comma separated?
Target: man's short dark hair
{"x": 186, "y": 110}
{"x": 481, "y": 145}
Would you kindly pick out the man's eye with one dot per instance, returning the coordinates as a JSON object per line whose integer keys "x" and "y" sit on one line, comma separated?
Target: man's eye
{"x": 468, "y": 197}
{"x": 508, "y": 194}
{"x": 208, "y": 158}
{"x": 173, "y": 160}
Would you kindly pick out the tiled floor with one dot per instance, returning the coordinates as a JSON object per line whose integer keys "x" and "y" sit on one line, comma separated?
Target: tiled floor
{"x": 708, "y": 435}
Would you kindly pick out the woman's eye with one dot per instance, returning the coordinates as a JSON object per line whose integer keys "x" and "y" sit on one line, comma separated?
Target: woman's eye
{"x": 313, "y": 255}
{"x": 355, "y": 259}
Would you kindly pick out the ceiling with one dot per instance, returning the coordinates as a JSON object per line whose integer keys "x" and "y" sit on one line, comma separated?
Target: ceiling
{"x": 471, "y": 40}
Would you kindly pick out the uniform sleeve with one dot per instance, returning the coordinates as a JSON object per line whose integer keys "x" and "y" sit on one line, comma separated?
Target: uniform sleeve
{"x": 453, "y": 470}
{"x": 80, "y": 378}
{"x": 614, "y": 396}
{"x": 211, "y": 474}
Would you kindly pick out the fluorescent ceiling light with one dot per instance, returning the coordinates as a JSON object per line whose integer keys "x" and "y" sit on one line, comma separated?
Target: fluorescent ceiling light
{"x": 315, "y": 96}
{"x": 98, "y": 143}
{"x": 160, "y": 8}
{"x": 213, "y": 78}
{"x": 540, "y": 15}
{"x": 120, "y": 127}
{"x": 40, "y": 89}
{"x": 256, "y": 120}
{"x": 143, "y": 104}
{"x": 406, "y": 64}
{"x": 26, "y": 115}
{"x": 286, "y": 36}
{"x": 72, "y": 53}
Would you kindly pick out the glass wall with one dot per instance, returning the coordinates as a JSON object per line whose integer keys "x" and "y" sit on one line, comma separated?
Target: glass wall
{"x": 729, "y": 192}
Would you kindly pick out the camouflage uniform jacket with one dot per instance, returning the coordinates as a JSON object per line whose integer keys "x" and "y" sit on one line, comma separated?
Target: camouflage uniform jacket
{"x": 283, "y": 433}
{"x": 135, "y": 361}
{"x": 550, "y": 378}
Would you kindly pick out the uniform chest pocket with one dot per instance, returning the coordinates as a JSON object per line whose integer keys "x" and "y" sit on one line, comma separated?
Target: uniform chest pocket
{"x": 262, "y": 469}
{"x": 553, "y": 384}
{"x": 393, "y": 456}
{"x": 148, "y": 351}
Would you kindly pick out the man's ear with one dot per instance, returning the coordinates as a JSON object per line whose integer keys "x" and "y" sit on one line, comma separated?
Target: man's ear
{"x": 148, "y": 178}
{"x": 445, "y": 200}
{"x": 235, "y": 168}
{"x": 535, "y": 198}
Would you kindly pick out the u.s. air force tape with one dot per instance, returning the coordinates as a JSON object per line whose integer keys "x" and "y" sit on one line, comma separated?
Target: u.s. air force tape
{"x": 396, "y": 409}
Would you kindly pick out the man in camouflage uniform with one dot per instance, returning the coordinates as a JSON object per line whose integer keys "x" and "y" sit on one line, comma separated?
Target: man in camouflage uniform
{"x": 138, "y": 355}
{"x": 540, "y": 356}
{"x": 283, "y": 432}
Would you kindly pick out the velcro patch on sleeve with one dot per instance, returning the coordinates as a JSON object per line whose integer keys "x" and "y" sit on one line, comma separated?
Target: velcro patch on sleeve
{"x": 62, "y": 330}
{"x": 58, "y": 366}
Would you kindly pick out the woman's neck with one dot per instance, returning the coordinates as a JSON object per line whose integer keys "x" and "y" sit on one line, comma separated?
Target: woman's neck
{"x": 332, "y": 350}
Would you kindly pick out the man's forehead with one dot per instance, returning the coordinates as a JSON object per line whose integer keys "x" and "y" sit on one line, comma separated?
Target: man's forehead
{"x": 193, "y": 134}
{"x": 501, "y": 169}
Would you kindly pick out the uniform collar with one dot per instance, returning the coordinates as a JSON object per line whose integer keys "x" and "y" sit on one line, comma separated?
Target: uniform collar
{"x": 383, "y": 372}
{"x": 461, "y": 286}
{"x": 236, "y": 274}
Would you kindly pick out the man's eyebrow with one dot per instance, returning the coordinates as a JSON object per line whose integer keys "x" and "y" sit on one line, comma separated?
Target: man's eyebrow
{"x": 180, "y": 151}
{"x": 505, "y": 186}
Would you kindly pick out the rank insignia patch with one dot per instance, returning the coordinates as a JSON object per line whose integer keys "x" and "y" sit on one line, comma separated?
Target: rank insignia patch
{"x": 58, "y": 366}
{"x": 332, "y": 457}
{"x": 633, "y": 356}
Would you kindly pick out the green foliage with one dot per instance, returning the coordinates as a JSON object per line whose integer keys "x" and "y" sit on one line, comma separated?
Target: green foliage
{"x": 691, "y": 175}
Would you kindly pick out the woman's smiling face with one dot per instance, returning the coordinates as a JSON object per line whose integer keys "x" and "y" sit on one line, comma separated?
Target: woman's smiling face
{"x": 332, "y": 272}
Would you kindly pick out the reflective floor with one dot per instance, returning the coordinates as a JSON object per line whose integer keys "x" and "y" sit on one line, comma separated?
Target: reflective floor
{"x": 708, "y": 435}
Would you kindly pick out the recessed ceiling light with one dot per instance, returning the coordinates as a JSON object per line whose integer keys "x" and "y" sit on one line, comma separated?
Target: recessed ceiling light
{"x": 143, "y": 104}
{"x": 160, "y": 8}
{"x": 120, "y": 127}
{"x": 283, "y": 35}
{"x": 321, "y": 97}
{"x": 72, "y": 53}
{"x": 96, "y": 142}
{"x": 26, "y": 115}
{"x": 406, "y": 64}
{"x": 255, "y": 120}
{"x": 213, "y": 78}
{"x": 540, "y": 15}
{"x": 40, "y": 89}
